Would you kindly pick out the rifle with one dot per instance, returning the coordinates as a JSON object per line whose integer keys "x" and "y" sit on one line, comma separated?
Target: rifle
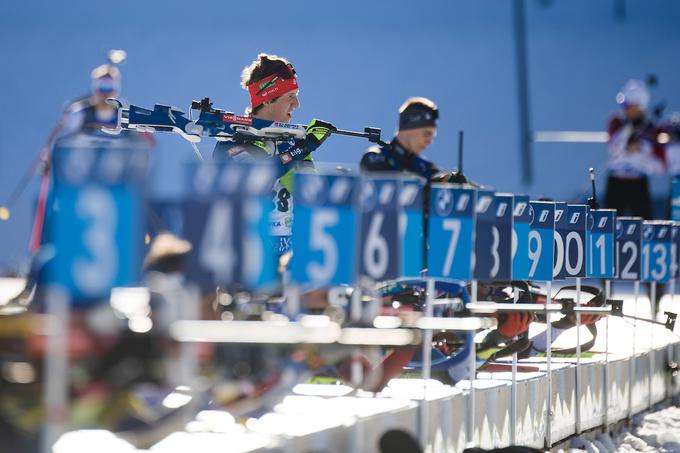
{"x": 218, "y": 124}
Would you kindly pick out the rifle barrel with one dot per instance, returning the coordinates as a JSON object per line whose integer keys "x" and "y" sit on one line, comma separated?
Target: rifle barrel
{"x": 351, "y": 133}
{"x": 651, "y": 321}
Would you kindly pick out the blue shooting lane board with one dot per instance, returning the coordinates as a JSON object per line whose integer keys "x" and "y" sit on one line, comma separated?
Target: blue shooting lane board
{"x": 96, "y": 236}
{"x": 675, "y": 199}
{"x": 628, "y": 243}
{"x": 379, "y": 239}
{"x": 493, "y": 236}
{"x": 504, "y": 220}
{"x": 228, "y": 224}
{"x": 520, "y": 238}
{"x": 451, "y": 232}
{"x": 576, "y": 241}
{"x": 411, "y": 198}
{"x": 540, "y": 247}
{"x": 656, "y": 251}
{"x": 325, "y": 230}
{"x": 675, "y": 256}
{"x": 602, "y": 225}
{"x": 559, "y": 273}
{"x": 213, "y": 225}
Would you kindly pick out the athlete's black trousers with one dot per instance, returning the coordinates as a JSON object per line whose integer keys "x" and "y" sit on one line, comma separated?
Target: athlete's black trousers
{"x": 629, "y": 196}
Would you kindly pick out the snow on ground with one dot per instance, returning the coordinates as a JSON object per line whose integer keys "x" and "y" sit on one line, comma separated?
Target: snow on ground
{"x": 657, "y": 431}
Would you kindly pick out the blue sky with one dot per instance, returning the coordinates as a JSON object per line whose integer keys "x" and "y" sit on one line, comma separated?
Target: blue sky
{"x": 357, "y": 62}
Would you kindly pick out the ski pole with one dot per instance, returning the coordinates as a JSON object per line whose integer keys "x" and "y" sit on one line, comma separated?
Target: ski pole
{"x": 23, "y": 183}
{"x": 44, "y": 157}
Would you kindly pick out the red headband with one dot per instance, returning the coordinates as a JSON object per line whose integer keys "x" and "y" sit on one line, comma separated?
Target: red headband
{"x": 271, "y": 87}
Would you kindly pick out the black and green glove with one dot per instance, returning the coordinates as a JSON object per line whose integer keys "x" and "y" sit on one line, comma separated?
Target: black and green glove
{"x": 317, "y": 132}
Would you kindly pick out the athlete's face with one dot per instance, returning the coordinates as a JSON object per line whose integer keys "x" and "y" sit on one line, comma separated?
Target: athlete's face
{"x": 281, "y": 108}
{"x": 416, "y": 140}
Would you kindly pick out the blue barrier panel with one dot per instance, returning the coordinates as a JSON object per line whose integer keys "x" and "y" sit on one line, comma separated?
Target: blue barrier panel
{"x": 451, "y": 232}
{"x": 411, "y": 226}
{"x": 628, "y": 239}
{"x": 602, "y": 225}
{"x": 541, "y": 237}
{"x": 656, "y": 251}
{"x": 493, "y": 236}
{"x": 228, "y": 223}
{"x": 95, "y": 233}
{"x": 575, "y": 241}
{"x": 324, "y": 231}
{"x": 379, "y": 240}
{"x": 521, "y": 264}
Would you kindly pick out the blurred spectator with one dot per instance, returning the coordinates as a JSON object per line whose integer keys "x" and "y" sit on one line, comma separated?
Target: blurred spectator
{"x": 634, "y": 153}
{"x": 91, "y": 113}
{"x": 87, "y": 114}
{"x": 671, "y": 136}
